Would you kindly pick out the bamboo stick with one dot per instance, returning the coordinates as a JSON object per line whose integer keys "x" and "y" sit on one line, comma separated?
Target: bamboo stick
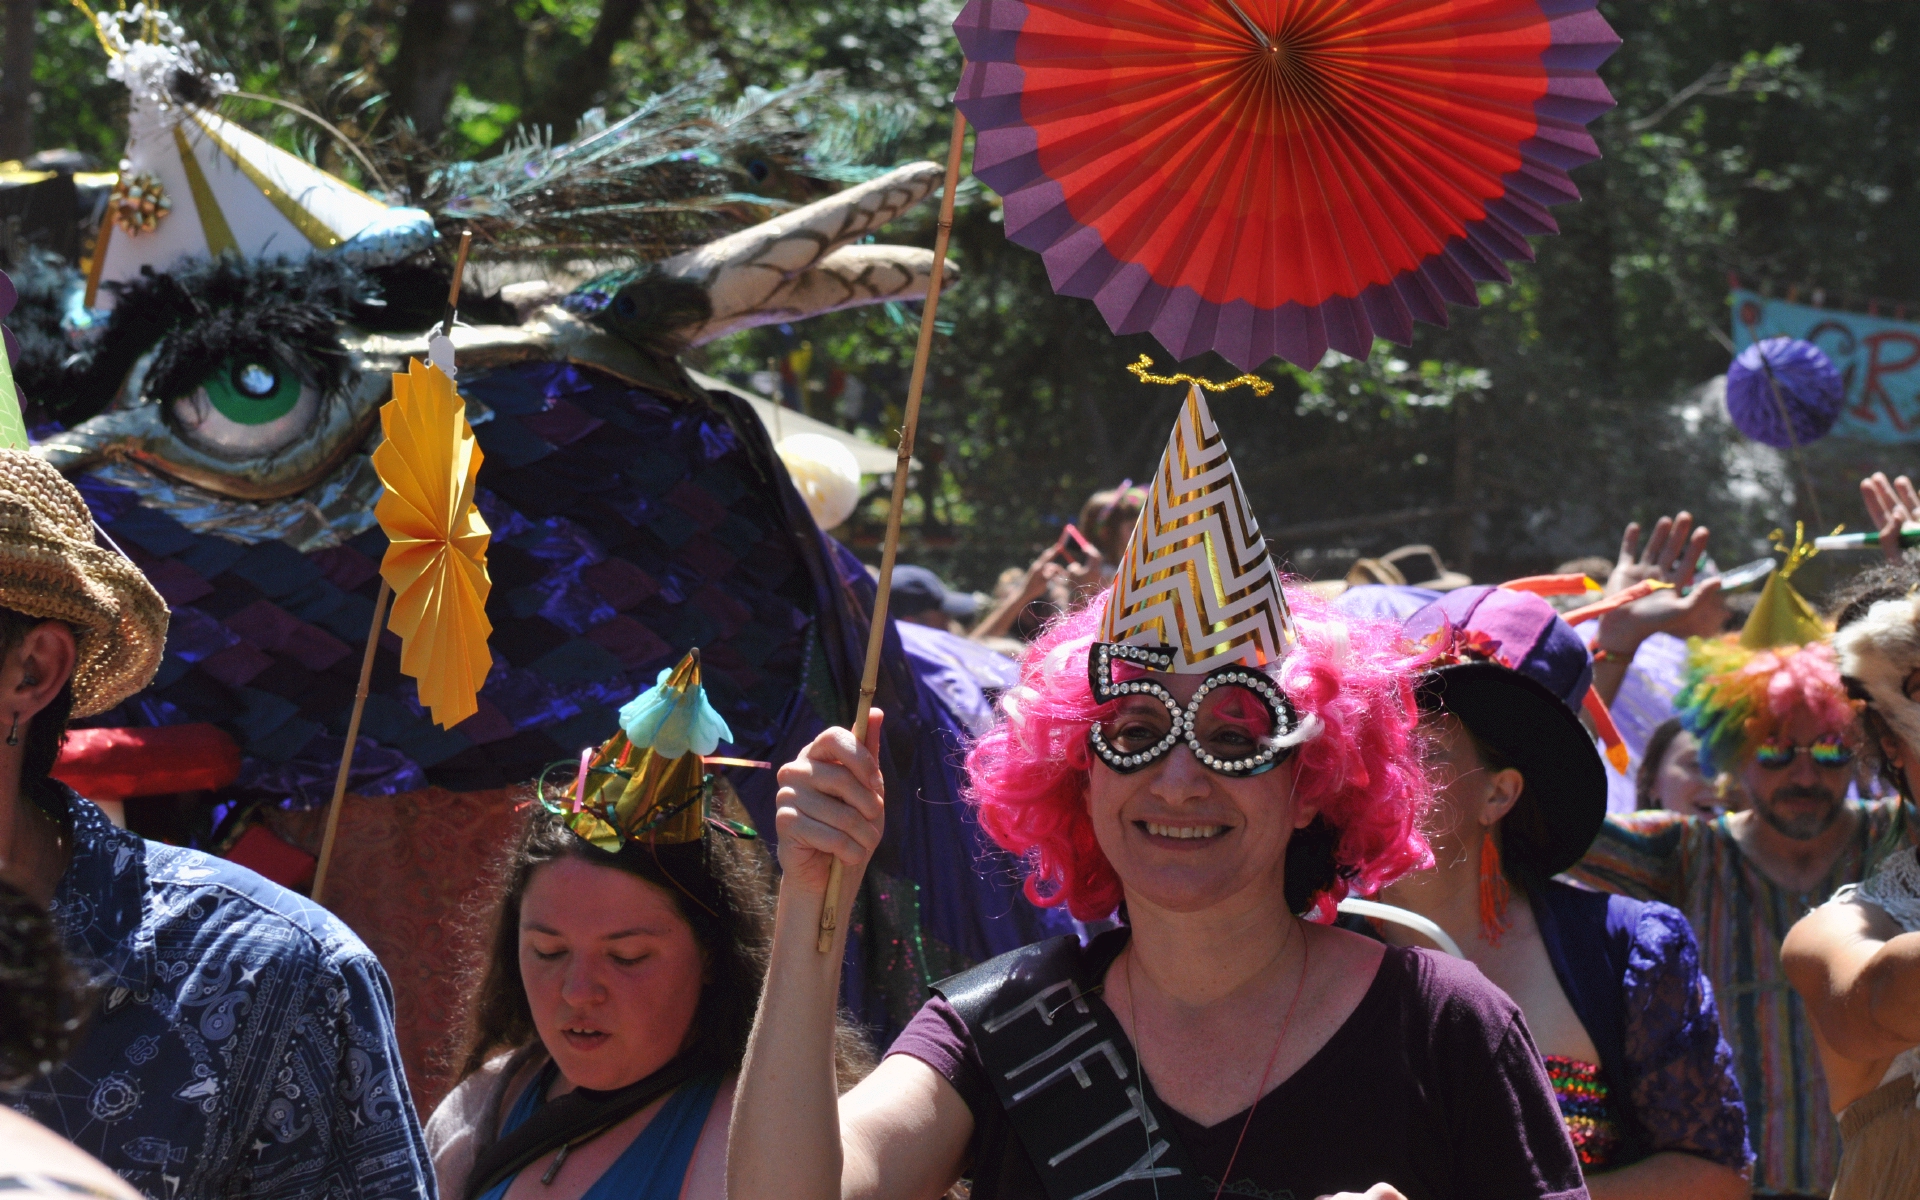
{"x": 353, "y": 735}
{"x": 877, "y": 633}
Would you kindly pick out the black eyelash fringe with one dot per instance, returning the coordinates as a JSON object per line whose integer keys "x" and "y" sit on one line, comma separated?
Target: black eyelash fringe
{"x": 204, "y": 313}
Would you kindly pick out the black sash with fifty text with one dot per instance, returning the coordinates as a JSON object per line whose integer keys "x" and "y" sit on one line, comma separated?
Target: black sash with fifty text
{"x": 1066, "y": 1075}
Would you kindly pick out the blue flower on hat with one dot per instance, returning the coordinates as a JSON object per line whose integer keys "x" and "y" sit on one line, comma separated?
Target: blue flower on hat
{"x": 673, "y": 720}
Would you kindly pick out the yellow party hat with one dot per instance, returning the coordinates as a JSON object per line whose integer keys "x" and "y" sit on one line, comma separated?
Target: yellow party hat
{"x": 1196, "y": 577}
{"x": 1782, "y": 616}
{"x": 649, "y": 782}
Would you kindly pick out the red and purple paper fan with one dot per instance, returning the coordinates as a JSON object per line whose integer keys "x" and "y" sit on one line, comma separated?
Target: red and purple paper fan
{"x": 1268, "y": 177}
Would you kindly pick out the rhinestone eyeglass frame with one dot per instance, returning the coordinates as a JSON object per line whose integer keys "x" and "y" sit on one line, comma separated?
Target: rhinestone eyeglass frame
{"x": 1100, "y": 659}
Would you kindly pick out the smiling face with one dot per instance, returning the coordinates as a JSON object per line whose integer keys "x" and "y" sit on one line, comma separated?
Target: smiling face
{"x": 1678, "y": 785}
{"x": 1180, "y": 836}
{"x": 611, "y": 969}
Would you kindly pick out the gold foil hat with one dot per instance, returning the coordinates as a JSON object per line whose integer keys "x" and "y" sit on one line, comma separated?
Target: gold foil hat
{"x": 648, "y": 782}
{"x": 1196, "y": 577}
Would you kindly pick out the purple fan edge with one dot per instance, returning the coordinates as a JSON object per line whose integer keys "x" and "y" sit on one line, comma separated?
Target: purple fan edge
{"x": 1188, "y": 325}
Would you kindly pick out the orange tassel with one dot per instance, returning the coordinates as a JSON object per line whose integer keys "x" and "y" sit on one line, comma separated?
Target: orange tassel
{"x": 1494, "y": 892}
{"x": 1553, "y": 585}
{"x": 1601, "y": 608}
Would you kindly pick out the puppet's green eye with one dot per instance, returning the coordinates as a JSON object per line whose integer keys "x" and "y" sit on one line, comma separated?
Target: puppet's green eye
{"x": 252, "y": 392}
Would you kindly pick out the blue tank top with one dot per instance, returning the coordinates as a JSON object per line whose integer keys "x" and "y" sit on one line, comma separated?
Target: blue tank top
{"x": 655, "y": 1166}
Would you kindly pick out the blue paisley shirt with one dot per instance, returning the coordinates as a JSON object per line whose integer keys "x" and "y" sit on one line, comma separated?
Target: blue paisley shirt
{"x": 242, "y": 1042}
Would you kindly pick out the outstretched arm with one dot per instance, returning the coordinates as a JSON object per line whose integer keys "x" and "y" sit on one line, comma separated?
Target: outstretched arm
{"x": 1670, "y": 1176}
{"x": 1860, "y": 978}
{"x": 903, "y": 1132}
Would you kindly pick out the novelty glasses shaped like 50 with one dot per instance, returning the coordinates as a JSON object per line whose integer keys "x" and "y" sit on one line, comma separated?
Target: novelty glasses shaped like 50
{"x": 1238, "y": 722}
{"x": 1828, "y": 752}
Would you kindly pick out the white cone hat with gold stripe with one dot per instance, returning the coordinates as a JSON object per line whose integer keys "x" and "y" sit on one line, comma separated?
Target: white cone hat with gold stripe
{"x": 1196, "y": 576}
{"x": 226, "y": 190}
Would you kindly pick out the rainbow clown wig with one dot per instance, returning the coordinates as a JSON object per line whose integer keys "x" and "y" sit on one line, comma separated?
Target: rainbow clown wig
{"x": 1735, "y": 698}
{"x": 1740, "y": 689}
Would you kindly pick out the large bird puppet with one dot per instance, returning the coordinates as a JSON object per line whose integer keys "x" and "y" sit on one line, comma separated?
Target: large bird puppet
{"x": 215, "y": 381}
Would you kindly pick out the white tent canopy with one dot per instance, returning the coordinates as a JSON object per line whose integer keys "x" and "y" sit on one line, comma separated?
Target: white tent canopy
{"x": 874, "y": 459}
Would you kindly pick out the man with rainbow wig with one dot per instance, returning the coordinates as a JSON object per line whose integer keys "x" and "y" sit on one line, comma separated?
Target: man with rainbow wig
{"x": 1772, "y": 714}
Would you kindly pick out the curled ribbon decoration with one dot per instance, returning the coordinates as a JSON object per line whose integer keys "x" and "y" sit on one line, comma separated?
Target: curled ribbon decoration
{"x": 1143, "y": 369}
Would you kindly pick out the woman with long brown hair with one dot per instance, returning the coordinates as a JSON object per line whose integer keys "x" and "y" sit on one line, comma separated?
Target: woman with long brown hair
{"x": 621, "y": 979}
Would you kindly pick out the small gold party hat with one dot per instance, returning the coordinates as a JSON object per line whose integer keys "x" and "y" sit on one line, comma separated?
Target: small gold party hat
{"x": 1782, "y": 616}
{"x": 649, "y": 781}
{"x": 1196, "y": 576}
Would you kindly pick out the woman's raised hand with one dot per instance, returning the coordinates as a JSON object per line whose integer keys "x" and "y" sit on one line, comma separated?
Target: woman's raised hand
{"x": 1379, "y": 1191}
{"x": 831, "y": 805}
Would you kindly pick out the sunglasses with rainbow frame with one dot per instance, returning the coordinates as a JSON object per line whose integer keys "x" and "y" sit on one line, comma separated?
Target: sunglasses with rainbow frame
{"x": 1239, "y": 723}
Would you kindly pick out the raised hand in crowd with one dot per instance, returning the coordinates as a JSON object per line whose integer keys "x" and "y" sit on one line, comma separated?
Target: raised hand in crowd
{"x": 1039, "y": 579}
{"x": 1891, "y": 504}
{"x": 1671, "y": 554}
{"x": 1086, "y": 578}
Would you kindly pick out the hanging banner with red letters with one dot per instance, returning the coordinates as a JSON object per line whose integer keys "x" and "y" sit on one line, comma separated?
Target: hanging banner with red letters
{"x": 1878, "y": 358}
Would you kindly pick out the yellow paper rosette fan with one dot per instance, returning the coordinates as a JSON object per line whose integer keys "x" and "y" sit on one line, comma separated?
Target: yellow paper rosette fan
{"x": 436, "y": 560}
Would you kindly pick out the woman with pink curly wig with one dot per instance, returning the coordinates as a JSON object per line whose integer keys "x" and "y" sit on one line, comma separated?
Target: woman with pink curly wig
{"x": 1212, "y": 758}
{"x": 1361, "y": 776}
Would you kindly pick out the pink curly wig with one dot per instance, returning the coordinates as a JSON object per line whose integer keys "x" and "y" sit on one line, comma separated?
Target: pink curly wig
{"x": 1363, "y": 771}
{"x": 1735, "y": 698}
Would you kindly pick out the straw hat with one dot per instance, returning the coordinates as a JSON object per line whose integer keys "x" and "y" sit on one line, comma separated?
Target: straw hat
{"x": 51, "y": 568}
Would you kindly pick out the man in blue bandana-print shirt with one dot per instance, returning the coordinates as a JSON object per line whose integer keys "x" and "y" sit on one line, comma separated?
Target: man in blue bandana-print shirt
{"x": 242, "y": 1040}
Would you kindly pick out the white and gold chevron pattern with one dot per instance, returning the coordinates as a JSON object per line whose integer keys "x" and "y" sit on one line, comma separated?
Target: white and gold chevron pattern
{"x": 1196, "y": 575}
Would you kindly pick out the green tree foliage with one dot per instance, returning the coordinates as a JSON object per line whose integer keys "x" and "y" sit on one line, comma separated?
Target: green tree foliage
{"x": 1776, "y": 141}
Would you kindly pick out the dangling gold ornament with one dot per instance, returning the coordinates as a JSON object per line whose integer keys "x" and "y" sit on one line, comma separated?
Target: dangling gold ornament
{"x": 138, "y": 202}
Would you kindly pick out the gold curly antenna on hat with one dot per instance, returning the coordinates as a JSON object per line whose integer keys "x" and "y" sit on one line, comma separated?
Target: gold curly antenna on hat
{"x": 1142, "y": 371}
{"x": 1196, "y": 575}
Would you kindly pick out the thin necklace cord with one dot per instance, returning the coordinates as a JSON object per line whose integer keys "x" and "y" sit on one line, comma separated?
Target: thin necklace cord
{"x": 1286, "y": 1023}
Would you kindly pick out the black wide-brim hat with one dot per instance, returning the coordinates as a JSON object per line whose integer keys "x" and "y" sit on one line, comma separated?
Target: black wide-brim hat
{"x": 1565, "y": 801}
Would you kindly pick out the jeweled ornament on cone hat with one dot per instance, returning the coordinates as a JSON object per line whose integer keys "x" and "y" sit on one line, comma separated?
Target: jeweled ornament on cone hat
{"x": 1196, "y": 578}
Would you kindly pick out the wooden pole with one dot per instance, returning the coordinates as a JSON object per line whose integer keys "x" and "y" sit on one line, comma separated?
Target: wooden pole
{"x": 353, "y": 734}
{"x": 373, "y": 643}
{"x": 877, "y": 632}
{"x": 459, "y": 273}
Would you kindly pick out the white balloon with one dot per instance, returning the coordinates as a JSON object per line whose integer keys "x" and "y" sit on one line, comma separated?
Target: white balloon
{"x": 826, "y": 473}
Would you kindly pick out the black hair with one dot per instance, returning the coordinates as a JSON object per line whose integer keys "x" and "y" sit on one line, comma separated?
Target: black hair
{"x": 1524, "y": 837}
{"x": 1849, "y": 602}
{"x": 1658, "y": 743}
{"x": 1311, "y": 865}
{"x": 1853, "y": 596}
{"x": 46, "y": 730}
{"x": 39, "y": 993}
{"x": 721, "y": 886}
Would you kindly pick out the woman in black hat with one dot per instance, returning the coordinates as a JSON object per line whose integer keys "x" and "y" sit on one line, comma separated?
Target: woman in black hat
{"x": 1611, "y": 987}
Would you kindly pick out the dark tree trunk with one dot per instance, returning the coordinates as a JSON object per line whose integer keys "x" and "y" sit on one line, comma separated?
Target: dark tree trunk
{"x": 16, "y": 80}
{"x": 433, "y": 45}
{"x": 584, "y": 81}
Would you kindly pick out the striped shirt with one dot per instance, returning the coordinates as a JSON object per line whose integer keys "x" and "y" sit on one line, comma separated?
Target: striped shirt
{"x": 1740, "y": 918}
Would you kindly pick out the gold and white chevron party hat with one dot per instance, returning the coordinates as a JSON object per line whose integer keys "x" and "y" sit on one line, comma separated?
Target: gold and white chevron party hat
{"x": 195, "y": 184}
{"x": 1196, "y": 576}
